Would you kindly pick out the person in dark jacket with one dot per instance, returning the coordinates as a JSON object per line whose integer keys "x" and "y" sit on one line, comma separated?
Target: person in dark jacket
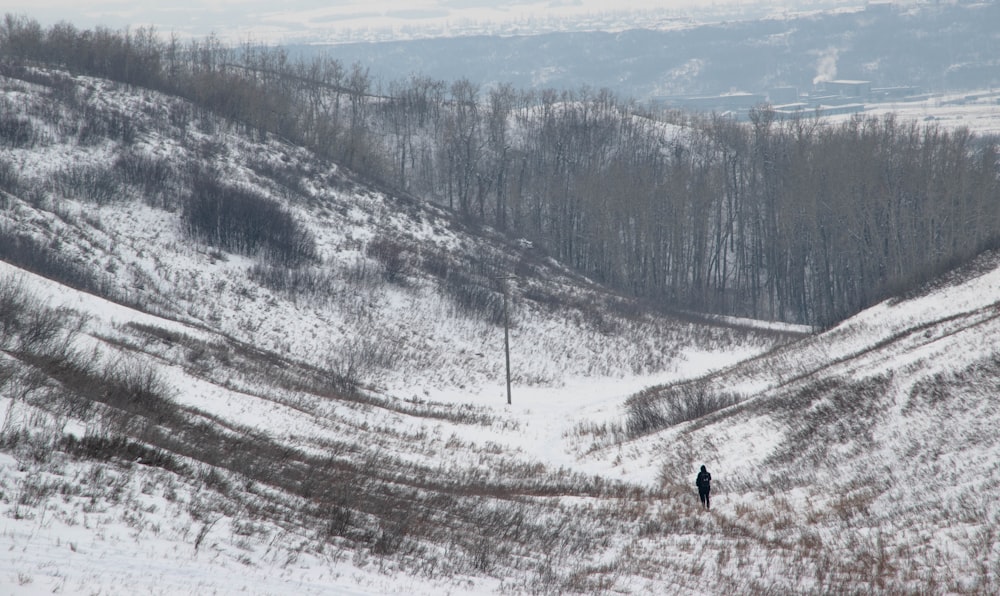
{"x": 704, "y": 484}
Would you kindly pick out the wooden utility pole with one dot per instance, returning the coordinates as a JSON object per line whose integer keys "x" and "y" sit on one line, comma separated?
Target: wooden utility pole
{"x": 506, "y": 337}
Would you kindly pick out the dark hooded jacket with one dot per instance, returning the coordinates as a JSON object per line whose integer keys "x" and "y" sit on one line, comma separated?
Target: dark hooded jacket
{"x": 704, "y": 481}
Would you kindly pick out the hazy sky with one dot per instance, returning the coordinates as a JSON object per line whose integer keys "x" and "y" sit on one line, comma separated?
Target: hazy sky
{"x": 339, "y": 20}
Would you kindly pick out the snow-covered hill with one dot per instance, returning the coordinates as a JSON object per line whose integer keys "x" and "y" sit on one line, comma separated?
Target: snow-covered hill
{"x": 179, "y": 418}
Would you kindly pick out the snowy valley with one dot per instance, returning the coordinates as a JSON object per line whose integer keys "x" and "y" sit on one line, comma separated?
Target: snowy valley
{"x": 182, "y": 418}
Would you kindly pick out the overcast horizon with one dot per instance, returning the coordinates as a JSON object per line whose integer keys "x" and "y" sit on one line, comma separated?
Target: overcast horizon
{"x": 381, "y": 20}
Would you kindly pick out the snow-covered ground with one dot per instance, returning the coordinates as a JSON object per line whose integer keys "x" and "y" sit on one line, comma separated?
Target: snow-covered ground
{"x": 860, "y": 458}
{"x": 978, "y": 111}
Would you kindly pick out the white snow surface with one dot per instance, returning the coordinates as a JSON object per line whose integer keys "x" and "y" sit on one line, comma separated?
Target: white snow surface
{"x": 73, "y": 526}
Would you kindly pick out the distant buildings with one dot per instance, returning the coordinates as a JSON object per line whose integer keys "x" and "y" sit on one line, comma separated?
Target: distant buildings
{"x": 783, "y": 95}
{"x": 728, "y": 102}
{"x": 841, "y": 96}
{"x": 848, "y": 90}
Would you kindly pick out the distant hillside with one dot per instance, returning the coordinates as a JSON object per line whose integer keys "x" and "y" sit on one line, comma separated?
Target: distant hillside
{"x": 932, "y": 46}
{"x": 148, "y": 201}
{"x": 794, "y": 219}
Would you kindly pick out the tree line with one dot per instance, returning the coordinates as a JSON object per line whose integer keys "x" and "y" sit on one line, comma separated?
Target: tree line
{"x": 792, "y": 219}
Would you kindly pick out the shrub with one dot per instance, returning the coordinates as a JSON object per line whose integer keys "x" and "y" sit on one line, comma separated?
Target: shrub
{"x": 362, "y": 274}
{"x": 27, "y": 325}
{"x": 10, "y": 179}
{"x": 99, "y": 125}
{"x": 137, "y": 388}
{"x": 243, "y": 221}
{"x": 338, "y": 520}
{"x": 293, "y": 281}
{"x": 654, "y": 409}
{"x": 284, "y": 172}
{"x": 41, "y": 331}
{"x": 392, "y": 255}
{"x": 107, "y": 447}
{"x": 16, "y": 131}
{"x": 28, "y": 253}
{"x": 150, "y": 173}
{"x": 97, "y": 183}
{"x": 474, "y": 298}
{"x": 14, "y": 300}
{"x": 644, "y": 415}
{"x": 361, "y": 358}
{"x": 437, "y": 264}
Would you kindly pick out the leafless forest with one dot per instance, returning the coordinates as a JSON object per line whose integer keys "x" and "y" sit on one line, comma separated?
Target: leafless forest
{"x": 795, "y": 220}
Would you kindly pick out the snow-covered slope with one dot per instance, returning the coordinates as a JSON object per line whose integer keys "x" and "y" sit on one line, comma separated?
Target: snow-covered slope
{"x": 378, "y": 365}
{"x": 180, "y": 419}
{"x": 865, "y": 455}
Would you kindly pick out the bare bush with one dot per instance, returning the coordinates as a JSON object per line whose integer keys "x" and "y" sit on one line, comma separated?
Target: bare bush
{"x": 474, "y": 298}
{"x": 138, "y": 388}
{"x": 100, "y": 125}
{"x": 105, "y": 447}
{"x": 28, "y": 326}
{"x": 644, "y": 415}
{"x": 295, "y": 281}
{"x": 245, "y": 221}
{"x": 43, "y": 331}
{"x": 96, "y": 183}
{"x": 435, "y": 263}
{"x": 14, "y": 301}
{"x": 28, "y": 253}
{"x": 362, "y": 358}
{"x": 655, "y": 409}
{"x": 362, "y": 273}
{"x": 284, "y": 172}
{"x": 10, "y": 179}
{"x": 152, "y": 174}
{"x": 16, "y": 131}
{"x": 391, "y": 254}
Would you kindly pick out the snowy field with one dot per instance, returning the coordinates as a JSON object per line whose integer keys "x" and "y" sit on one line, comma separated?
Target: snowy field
{"x": 977, "y": 111}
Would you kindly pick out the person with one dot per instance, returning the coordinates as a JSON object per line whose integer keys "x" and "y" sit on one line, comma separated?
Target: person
{"x": 704, "y": 484}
